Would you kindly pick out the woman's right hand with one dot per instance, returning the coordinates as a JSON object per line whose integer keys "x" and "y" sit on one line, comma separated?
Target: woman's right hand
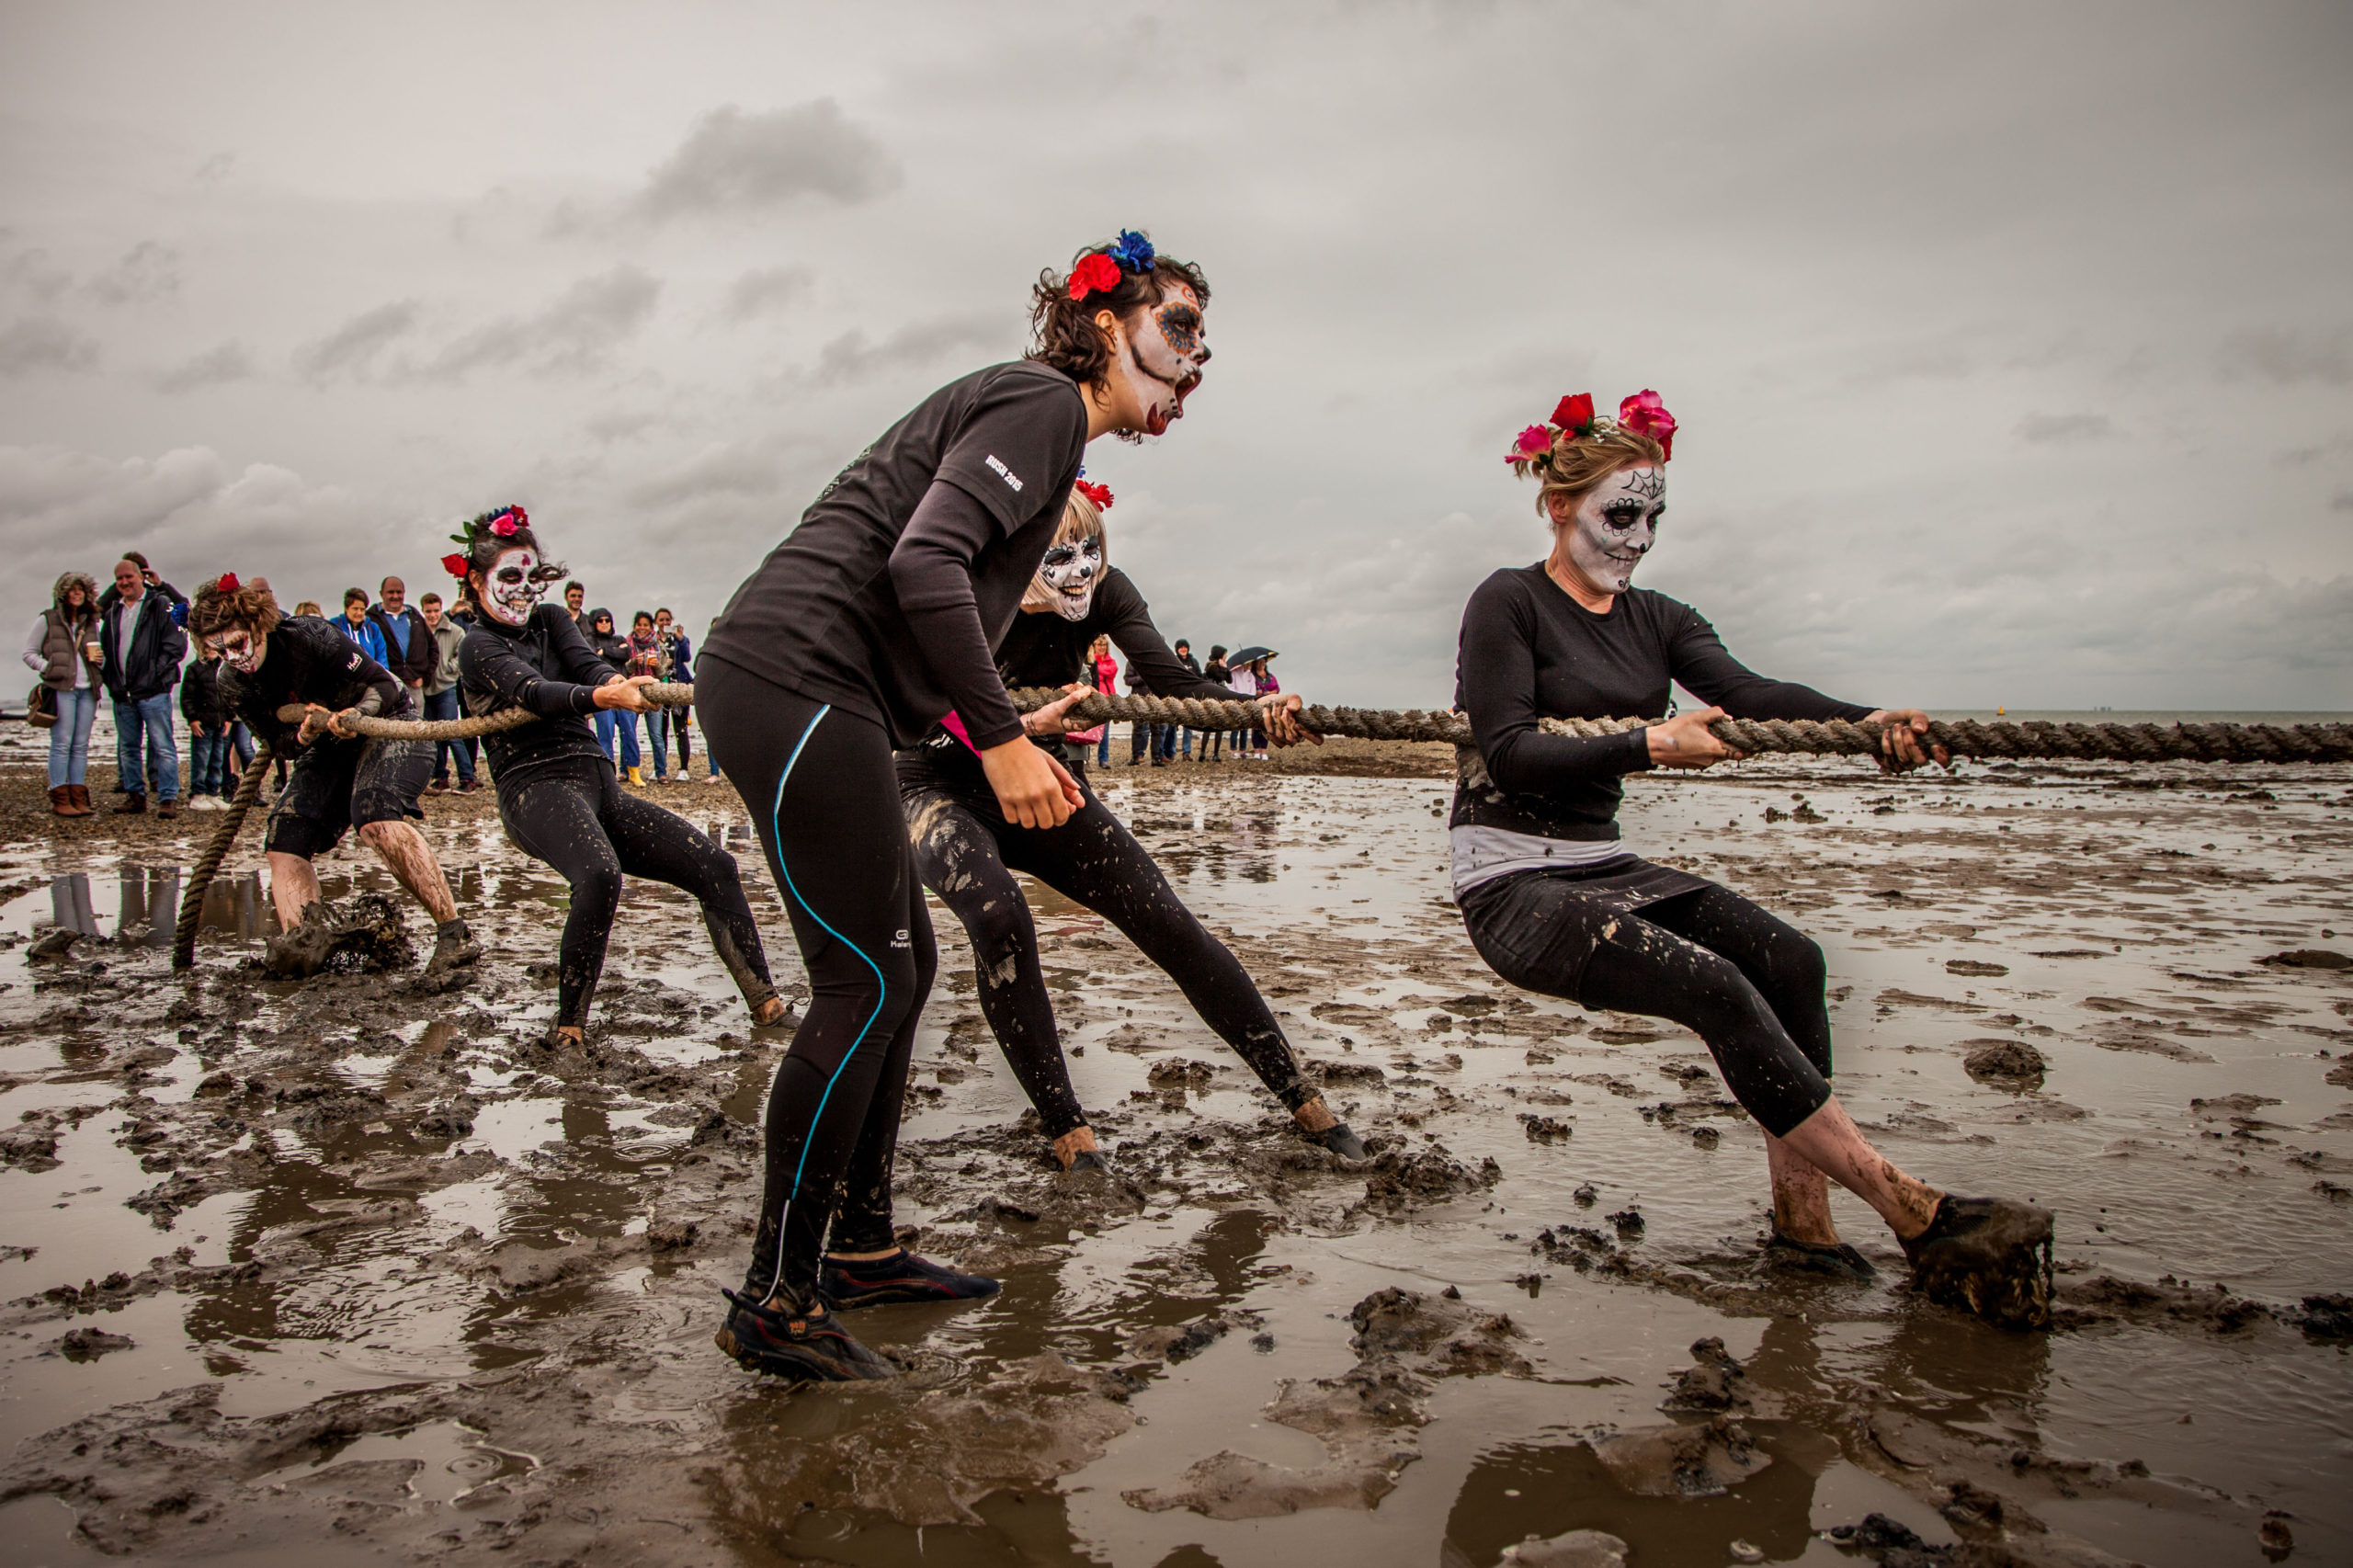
{"x": 1051, "y": 720}
{"x": 626, "y": 691}
{"x": 1685, "y": 741}
{"x": 1032, "y": 789}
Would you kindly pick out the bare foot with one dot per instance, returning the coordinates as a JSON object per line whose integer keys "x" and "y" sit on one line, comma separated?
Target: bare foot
{"x": 770, "y": 1013}
{"x": 1314, "y": 1116}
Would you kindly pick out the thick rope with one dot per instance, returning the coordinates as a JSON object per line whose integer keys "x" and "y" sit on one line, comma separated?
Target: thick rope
{"x": 225, "y": 834}
{"x": 1836, "y": 737}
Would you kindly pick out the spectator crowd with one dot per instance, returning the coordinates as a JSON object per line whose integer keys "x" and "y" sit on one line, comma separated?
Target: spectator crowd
{"x": 129, "y": 641}
{"x": 1247, "y": 672}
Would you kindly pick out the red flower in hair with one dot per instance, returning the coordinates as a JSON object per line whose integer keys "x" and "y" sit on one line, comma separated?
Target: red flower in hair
{"x": 1530, "y": 443}
{"x": 228, "y": 583}
{"x": 454, "y": 564}
{"x": 1575, "y": 415}
{"x": 1095, "y": 272}
{"x": 1098, "y": 494}
{"x": 508, "y": 522}
{"x": 1645, "y": 415}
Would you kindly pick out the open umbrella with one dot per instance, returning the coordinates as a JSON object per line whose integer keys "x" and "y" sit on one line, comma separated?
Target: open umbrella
{"x": 1251, "y": 653}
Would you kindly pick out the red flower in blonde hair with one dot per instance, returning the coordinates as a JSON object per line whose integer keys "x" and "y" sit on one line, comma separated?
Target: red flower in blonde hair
{"x": 1645, "y": 415}
{"x": 1095, "y": 272}
{"x": 228, "y": 583}
{"x": 1098, "y": 494}
{"x": 454, "y": 564}
{"x": 1575, "y": 415}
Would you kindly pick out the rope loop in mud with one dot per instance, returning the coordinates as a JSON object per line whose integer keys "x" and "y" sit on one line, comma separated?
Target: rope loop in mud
{"x": 216, "y": 848}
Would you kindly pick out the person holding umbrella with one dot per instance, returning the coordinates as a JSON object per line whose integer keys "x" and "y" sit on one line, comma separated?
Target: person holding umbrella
{"x": 1251, "y": 679}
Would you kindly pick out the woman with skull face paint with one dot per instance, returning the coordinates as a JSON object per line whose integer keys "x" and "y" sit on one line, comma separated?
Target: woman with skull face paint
{"x": 1555, "y": 904}
{"x": 874, "y": 619}
{"x": 339, "y": 780}
{"x": 967, "y": 851}
{"x": 558, "y": 799}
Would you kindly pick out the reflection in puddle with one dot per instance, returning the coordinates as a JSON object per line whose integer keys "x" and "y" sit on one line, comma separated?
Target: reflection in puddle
{"x": 438, "y": 1463}
{"x": 145, "y": 903}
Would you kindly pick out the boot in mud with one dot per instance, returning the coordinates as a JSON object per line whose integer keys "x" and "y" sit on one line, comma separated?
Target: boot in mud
{"x": 799, "y": 1344}
{"x": 453, "y": 946}
{"x": 362, "y": 934}
{"x": 1832, "y": 1260}
{"x": 1989, "y": 1255}
{"x": 846, "y": 1284}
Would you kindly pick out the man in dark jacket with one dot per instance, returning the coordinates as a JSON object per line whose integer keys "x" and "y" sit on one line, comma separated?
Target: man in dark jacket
{"x": 144, "y": 647}
{"x": 1193, "y": 665}
{"x": 409, "y": 652}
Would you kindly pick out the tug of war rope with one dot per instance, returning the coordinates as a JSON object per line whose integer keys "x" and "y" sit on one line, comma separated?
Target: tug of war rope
{"x": 2009, "y": 739}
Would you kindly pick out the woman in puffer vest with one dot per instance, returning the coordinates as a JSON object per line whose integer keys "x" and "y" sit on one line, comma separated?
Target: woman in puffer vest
{"x": 58, "y": 650}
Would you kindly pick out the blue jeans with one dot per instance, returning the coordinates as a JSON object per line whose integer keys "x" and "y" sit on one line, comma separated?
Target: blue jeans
{"x": 208, "y": 760}
{"x": 147, "y": 724}
{"x": 627, "y": 723}
{"x": 69, "y": 742}
{"x": 603, "y": 720}
{"x": 657, "y": 741}
{"x": 1103, "y": 751}
{"x": 444, "y": 705}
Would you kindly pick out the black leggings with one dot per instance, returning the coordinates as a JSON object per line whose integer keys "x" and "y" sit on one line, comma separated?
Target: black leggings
{"x": 968, "y": 853}
{"x": 825, "y": 800}
{"x": 575, "y": 816}
{"x": 1747, "y": 984}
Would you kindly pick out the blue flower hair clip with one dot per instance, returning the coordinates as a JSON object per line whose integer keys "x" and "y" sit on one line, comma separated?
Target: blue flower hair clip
{"x": 1133, "y": 252}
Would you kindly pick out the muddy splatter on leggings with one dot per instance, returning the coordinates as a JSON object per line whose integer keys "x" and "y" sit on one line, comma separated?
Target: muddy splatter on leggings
{"x": 1750, "y": 985}
{"x": 575, "y": 816}
{"x": 824, "y": 803}
{"x": 968, "y": 852}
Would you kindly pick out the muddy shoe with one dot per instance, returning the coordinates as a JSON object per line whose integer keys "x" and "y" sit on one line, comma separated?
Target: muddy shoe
{"x": 847, "y": 1284}
{"x": 1090, "y": 1160}
{"x": 1833, "y": 1260}
{"x": 1338, "y": 1139}
{"x": 802, "y": 1347}
{"x": 452, "y": 946}
{"x": 1991, "y": 1255}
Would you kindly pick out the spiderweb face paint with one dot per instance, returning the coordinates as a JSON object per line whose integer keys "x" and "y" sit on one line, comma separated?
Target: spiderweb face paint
{"x": 514, "y": 585}
{"x": 1167, "y": 347}
{"x": 1068, "y": 576}
{"x": 1615, "y": 526}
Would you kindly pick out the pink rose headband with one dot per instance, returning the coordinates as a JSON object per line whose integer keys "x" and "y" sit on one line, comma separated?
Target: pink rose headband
{"x": 1573, "y": 418}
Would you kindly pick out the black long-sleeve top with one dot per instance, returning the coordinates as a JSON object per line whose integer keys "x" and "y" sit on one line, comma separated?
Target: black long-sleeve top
{"x": 1530, "y": 651}
{"x": 1042, "y": 649}
{"x": 306, "y": 660}
{"x": 545, "y": 666}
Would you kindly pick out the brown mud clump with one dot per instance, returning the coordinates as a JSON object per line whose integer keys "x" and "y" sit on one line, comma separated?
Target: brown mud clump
{"x": 2009, "y": 1060}
{"x": 1578, "y": 1548}
{"x": 1987, "y": 1255}
{"x": 1681, "y": 1461}
{"x": 363, "y": 935}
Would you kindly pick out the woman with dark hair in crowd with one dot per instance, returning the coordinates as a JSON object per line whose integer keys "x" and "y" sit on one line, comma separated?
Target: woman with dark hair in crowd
{"x": 558, "y": 799}
{"x": 967, "y": 851}
{"x": 874, "y": 619}
{"x": 59, "y": 649}
{"x": 1554, "y": 902}
{"x": 340, "y": 778}
{"x": 596, "y": 626}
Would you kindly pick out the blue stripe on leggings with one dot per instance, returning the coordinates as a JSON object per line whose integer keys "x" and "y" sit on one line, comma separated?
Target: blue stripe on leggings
{"x": 882, "y": 993}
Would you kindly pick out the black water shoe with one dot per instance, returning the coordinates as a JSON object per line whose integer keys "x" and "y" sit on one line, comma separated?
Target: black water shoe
{"x": 1990, "y": 1255}
{"x": 1834, "y": 1260}
{"x": 799, "y": 1347}
{"x": 1338, "y": 1139}
{"x": 847, "y": 1284}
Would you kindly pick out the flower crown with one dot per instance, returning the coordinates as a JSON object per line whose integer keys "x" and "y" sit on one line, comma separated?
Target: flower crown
{"x": 1099, "y": 271}
{"x": 1098, "y": 494}
{"x": 503, "y": 523}
{"x": 1572, "y": 420}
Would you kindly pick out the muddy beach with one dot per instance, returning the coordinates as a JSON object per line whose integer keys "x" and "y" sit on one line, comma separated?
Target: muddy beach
{"x": 351, "y": 1267}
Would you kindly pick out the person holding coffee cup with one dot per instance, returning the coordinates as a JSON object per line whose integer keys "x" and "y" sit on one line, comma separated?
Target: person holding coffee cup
{"x": 64, "y": 650}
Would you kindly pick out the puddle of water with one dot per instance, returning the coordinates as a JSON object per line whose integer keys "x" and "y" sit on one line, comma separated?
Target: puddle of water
{"x": 446, "y": 1460}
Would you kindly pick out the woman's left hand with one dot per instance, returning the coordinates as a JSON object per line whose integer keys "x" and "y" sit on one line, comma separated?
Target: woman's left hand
{"x": 1899, "y": 739}
{"x": 1282, "y": 725}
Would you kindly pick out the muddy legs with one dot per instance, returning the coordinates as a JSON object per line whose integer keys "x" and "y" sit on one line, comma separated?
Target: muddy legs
{"x": 407, "y": 856}
{"x": 1829, "y": 1142}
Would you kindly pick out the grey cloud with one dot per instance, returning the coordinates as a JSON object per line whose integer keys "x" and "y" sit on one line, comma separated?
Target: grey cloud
{"x": 739, "y": 470}
{"x": 574, "y": 334}
{"x": 2273, "y": 354}
{"x": 764, "y": 289}
{"x": 735, "y": 162}
{"x": 351, "y": 348}
{"x": 2052, "y": 430}
{"x": 851, "y": 358}
{"x": 44, "y": 343}
{"x": 148, "y": 270}
{"x": 34, "y": 273}
{"x": 228, "y": 362}
{"x": 2341, "y": 502}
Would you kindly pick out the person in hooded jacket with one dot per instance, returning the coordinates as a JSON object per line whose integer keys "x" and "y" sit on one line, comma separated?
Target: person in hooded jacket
{"x": 59, "y": 649}
{"x": 558, "y": 799}
{"x": 598, "y": 625}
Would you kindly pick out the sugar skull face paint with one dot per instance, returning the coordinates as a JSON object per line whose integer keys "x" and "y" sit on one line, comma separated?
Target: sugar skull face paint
{"x": 1166, "y": 348}
{"x": 1614, "y": 525}
{"x": 1068, "y": 574}
{"x": 240, "y": 649}
{"x": 513, "y": 585}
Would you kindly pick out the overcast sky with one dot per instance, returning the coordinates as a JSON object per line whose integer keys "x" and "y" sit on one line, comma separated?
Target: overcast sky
{"x": 2013, "y": 345}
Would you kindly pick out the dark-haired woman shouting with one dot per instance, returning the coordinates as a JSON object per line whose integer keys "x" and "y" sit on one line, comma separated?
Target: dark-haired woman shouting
{"x": 558, "y": 798}
{"x": 875, "y": 617}
{"x": 1555, "y": 903}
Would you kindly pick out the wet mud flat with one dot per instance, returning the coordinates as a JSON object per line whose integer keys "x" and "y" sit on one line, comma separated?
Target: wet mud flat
{"x": 352, "y": 1266}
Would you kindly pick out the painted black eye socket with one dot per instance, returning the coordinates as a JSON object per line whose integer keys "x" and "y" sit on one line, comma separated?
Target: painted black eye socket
{"x": 510, "y": 575}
